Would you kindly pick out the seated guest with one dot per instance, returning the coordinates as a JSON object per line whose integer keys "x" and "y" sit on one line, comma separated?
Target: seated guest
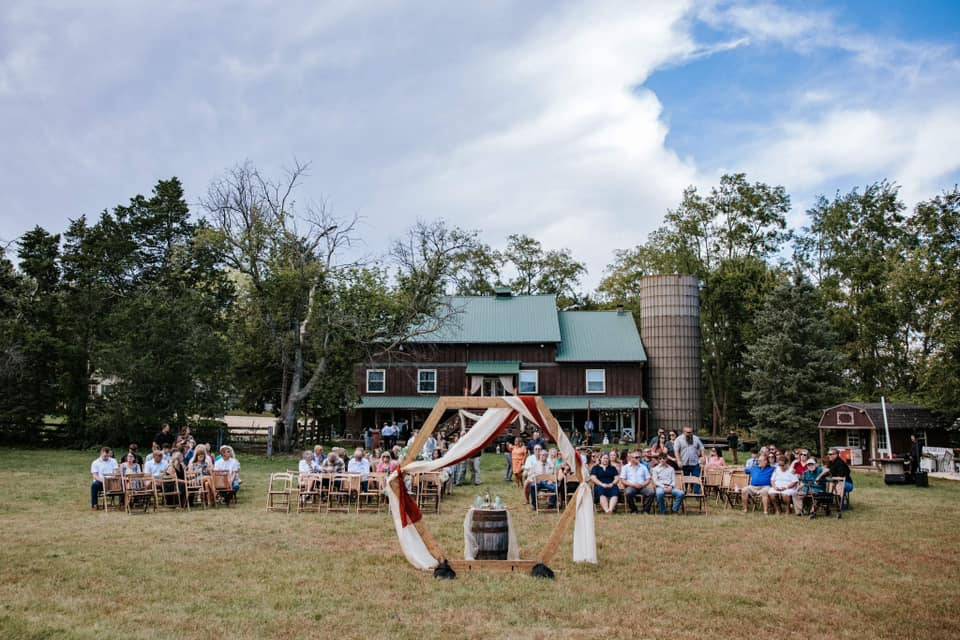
{"x": 318, "y": 458}
{"x": 333, "y": 464}
{"x": 166, "y": 452}
{"x": 752, "y": 460}
{"x": 541, "y": 467}
{"x": 810, "y": 485}
{"x": 664, "y": 477}
{"x": 386, "y": 464}
{"x": 615, "y": 459}
{"x": 635, "y": 479}
{"x": 135, "y": 450}
{"x": 567, "y": 482}
{"x": 187, "y": 450}
{"x": 129, "y": 465}
{"x": 202, "y": 465}
{"x": 305, "y": 467}
{"x": 360, "y": 466}
{"x": 228, "y": 462}
{"x": 800, "y": 464}
{"x": 837, "y": 468}
{"x": 760, "y": 476}
{"x": 715, "y": 460}
{"x": 604, "y": 478}
{"x": 783, "y": 484}
{"x": 156, "y": 465}
{"x": 176, "y": 472}
{"x": 103, "y": 465}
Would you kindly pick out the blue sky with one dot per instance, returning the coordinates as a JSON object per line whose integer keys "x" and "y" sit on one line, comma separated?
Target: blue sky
{"x": 579, "y": 123}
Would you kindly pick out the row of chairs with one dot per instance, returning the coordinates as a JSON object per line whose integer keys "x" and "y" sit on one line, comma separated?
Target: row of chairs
{"x": 729, "y": 488}
{"x": 345, "y": 492}
{"x": 133, "y": 491}
{"x": 693, "y": 488}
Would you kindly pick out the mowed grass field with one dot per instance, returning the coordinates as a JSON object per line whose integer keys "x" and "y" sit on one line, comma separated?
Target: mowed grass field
{"x": 888, "y": 569}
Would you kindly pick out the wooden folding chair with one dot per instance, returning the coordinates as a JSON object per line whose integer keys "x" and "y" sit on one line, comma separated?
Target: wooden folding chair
{"x": 371, "y": 498}
{"x": 195, "y": 489}
{"x": 224, "y": 487}
{"x": 343, "y": 486}
{"x": 168, "y": 492}
{"x": 737, "y": 490}
{"x": 114, "y": 493}
{"x": 429, "y": 490}
{"x": 308, "y": 493}
{"x": 544, "y": 496}
{"x": 278, "y": 491}
{"x": 140, "y": 489}
{"x": 693, "y": 489}
{"x": 712, "y": 480}
{"x": 724, "y": 487}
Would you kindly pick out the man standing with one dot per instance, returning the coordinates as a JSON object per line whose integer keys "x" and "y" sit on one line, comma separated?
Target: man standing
{"x": 664, "y": 476}
{"x": 637, "y": 479}
{"x": 689, "y": 452}
{"x": 733, "y": 441}
{"x": 104, "y": 465}
{"x": 164, "y": 438}
{"x": 588, "y": 428}
{"x": 535, "y": 442}
{"x": 916, "y": 452}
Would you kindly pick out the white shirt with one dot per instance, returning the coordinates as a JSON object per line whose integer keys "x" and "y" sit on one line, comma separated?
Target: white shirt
{"x": 664, "y": 475}
{"x": 232, "y": 465}
{"x": 305, "y": 467}
{"x": 156, "y": 469}
{"x": 635, "y": 475}
{"x": 361, "y": 466}
{"x": 101, "y": 467}
{"x": 783, "y": 479}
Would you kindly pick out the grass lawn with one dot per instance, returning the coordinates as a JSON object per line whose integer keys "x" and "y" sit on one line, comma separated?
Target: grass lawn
{"x": 890, "y": 568}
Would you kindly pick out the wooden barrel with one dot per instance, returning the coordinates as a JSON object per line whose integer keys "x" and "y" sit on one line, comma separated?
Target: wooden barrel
{"x": 490, "y": 531}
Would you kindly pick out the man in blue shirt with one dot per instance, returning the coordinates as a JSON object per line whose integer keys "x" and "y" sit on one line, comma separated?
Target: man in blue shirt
{"x": 760, "y": 476}
{"x": 636, "y": 478}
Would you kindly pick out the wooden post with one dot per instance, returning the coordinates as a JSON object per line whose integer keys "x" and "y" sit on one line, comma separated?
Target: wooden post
{"x": 270, "y": 441}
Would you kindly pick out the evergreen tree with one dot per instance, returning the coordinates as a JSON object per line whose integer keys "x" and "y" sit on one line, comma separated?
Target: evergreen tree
{"x": 793, "y": 366}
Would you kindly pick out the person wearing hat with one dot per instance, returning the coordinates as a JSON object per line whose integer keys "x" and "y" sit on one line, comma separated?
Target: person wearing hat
{"x": 810, "y": 485}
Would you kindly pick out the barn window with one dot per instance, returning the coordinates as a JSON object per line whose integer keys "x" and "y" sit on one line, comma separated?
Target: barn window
{"x": 853, "y": 439}
{"x": 376, "y": 380}
{"x": 845, "y": 417}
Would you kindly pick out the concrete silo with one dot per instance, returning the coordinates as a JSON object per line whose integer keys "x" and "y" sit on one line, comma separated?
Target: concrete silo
{"x": 670, "y": 330}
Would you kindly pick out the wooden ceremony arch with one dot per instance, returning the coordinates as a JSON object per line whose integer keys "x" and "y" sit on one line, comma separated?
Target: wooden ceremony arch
{"x": 550, "y": 425}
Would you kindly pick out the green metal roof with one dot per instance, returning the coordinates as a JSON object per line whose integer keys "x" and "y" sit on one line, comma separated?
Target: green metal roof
{"x": 499, "y": 319}
{"x": 599, "y": 336}
{"x": 398, "y": 402}
{"x": 493, "y": 367}
{"x": 567, "y": 403}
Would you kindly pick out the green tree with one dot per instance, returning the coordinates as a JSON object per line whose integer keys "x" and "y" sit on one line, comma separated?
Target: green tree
{"x": 318, "y": 308}
{"x": 540, "y": 271}
{"x": 927, "y": 286}
{"x": 792, "y": 365}
{"x": 855, "y": 246}
{"x": 726, "y": 239}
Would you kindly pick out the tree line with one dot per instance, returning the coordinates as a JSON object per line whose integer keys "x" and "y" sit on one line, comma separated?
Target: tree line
{"x": 257, "y": 298}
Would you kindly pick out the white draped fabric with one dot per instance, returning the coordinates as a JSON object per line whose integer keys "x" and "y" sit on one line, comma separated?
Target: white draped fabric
{"x": 507, "y": 382}
{"x": 416, "y": 552}
{"x": 475, "y": 383}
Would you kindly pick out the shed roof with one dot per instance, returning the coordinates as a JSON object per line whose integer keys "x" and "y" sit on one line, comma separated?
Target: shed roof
{"x": 909, "y": 417}
{"x": 599, "y": 336}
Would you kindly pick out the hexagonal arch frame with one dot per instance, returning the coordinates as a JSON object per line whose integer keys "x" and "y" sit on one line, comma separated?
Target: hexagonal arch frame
{"x": 550, "y": 425}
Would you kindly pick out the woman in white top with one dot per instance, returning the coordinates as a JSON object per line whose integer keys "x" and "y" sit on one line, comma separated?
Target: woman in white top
{"x": 783, "y": 485}
{"x": 129, "y": 465}
{"x": 306, "y": 463}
